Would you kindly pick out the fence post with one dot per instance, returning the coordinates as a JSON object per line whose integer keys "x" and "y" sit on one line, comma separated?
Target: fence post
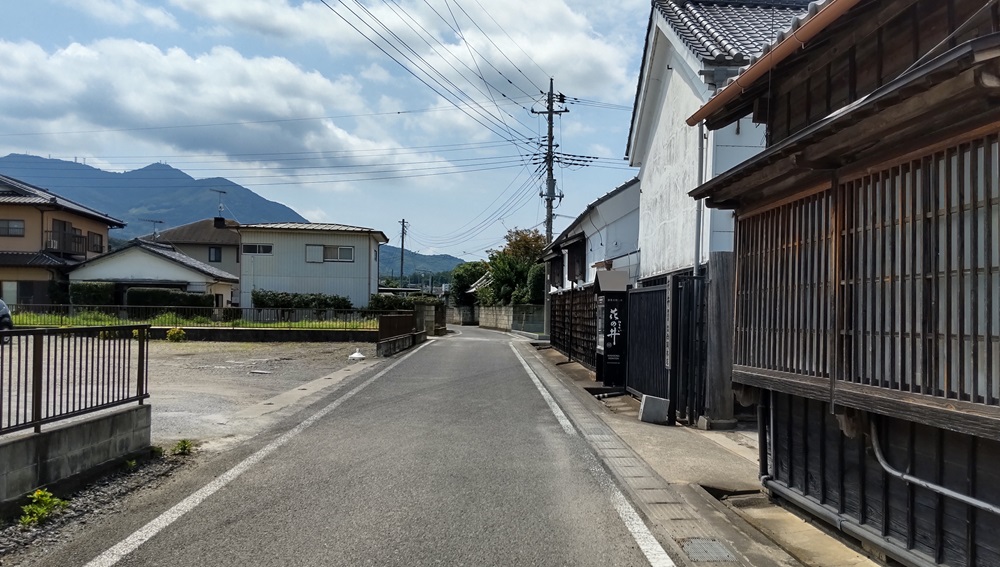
{"x": 37, "y": 360}
{"x": 141, "y": 370}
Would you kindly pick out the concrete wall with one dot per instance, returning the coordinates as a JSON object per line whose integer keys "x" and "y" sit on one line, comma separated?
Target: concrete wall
{"x": 463, "y": 315}
{"x": 496, "y": 317}
{"x": 395, "y": 345}
{"x": 27, "y": 463}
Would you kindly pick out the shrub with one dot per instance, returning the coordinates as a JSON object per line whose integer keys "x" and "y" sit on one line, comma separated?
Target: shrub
{"x": 176, "y": 335}
{"x": 43, "y": 505}
{"x": 265, "y": 299}
{"x": 160, "y": 297}
{"x": 183, "y": 447}
{"x": 92, "y": 293}
{"x": 400, "y": 302}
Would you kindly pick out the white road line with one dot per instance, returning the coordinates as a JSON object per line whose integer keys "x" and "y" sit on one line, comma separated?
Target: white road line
{"x": 644, "y": 538}
{"x": 560, "y": 416}
{"x": 145, "y": 533}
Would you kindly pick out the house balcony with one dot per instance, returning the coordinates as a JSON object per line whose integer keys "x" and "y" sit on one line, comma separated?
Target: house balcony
{"x": 65, "y": 242}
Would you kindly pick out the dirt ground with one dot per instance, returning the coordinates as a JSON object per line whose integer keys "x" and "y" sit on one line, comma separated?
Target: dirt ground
{"x": 196, "y": 387}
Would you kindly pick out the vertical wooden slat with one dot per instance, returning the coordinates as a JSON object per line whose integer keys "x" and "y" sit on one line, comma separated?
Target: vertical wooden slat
{"x": 916, "y": 190}
{"x": 974, "y": 191}
{"x": 895, "y": 229}
{"x": 989, "y": 187}
{"x": 946, "y": 187}
{"x": 960, "y": 193}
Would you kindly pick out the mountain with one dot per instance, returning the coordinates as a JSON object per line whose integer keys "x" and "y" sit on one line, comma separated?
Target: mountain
{"x": 155, "y": 192}
{"x": 388, "y": 262}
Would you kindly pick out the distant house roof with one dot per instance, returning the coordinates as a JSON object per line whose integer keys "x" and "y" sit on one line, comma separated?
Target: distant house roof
{"x": 729, "y": 32}
{"x": 198, "y": 232}
{"x": 32, "y": 259}
{"x": 17, "y": 192}
{"x": 170, "y": 253}
{"x": 324, "y": 227}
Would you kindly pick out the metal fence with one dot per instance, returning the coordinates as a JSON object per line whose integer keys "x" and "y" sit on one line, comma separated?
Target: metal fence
{"x": 397, "y": 325}
{"x": 32, "y": 315}
{"x": 47, "y": 375}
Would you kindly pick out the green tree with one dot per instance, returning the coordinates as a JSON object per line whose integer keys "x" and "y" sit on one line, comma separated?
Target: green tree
{"x": 510, "y": 266}
{"x": 462, "y": 278}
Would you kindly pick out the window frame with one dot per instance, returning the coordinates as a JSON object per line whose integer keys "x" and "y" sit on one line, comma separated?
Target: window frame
{"x": 218, "y": 258}
{"x": 258, "y": 247}
{"x": 339, "y": 257}
{"x": 6, "y": 230}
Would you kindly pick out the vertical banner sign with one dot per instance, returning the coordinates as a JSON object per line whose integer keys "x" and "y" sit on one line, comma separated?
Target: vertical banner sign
{"x": 615, "y": 319}
{"x": 600, "y": 324}
{"x": 670, "y": 321}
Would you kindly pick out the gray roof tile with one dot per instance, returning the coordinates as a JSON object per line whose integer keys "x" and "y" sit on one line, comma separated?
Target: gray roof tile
{"x": 17, "y": 192}
{"x": 729, "y": 32}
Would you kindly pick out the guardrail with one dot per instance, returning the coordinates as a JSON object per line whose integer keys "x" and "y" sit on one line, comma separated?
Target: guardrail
{"x": 32, "y": 315}
{"x": 48, "y": 375}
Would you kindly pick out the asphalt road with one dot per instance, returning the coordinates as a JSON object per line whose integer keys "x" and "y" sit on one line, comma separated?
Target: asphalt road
{"x": 449, "y": 457}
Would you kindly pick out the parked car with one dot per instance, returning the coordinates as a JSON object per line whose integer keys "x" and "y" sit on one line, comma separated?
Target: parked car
{"x": 6, "y": 323}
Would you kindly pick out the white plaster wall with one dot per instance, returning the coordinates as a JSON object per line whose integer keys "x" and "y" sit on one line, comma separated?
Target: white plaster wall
{"x": 137, "y": 264}
{"x": 667, "y": 216}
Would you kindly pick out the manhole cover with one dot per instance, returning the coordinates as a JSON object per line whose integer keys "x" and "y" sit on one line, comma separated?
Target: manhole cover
{"x": 706, "y": 550}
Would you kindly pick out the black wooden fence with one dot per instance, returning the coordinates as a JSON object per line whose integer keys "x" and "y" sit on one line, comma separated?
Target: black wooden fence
{"x": 574, "y": 325}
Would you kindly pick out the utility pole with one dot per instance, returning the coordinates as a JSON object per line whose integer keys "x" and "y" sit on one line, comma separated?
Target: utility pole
{"x": 550, "y": 189}
{"x": 550, "y": 179}
{"x": 402, "y": 250}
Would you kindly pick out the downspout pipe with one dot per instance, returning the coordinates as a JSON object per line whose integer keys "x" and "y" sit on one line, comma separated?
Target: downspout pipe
{"x": 906, "y": 477}
{"x": 700, "y": 211}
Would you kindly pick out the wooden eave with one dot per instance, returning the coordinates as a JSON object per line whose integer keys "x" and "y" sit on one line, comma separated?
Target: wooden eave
{"x": 951, "y": 94}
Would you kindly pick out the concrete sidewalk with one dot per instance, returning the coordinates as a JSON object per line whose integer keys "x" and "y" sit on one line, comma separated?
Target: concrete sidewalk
{"x": 676, "y": 472}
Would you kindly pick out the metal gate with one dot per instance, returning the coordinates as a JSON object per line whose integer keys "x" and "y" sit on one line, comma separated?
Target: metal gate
{"x": 666, "y": 348}
{"x": 647, "y": 346}
{"x": 688, "y": 345}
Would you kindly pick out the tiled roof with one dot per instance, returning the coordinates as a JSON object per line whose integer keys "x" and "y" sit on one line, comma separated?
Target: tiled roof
{"x": 329, "y": 227}
{"x": 729, "y": 32}
{"x": 16, "y": 192}
{"x": 199, "y": 232}
{"x": 168, "y": 252}
{"x": 39, "y": 259}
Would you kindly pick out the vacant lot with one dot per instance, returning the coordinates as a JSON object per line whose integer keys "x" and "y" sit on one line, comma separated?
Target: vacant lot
{"x": 197, "y": 387}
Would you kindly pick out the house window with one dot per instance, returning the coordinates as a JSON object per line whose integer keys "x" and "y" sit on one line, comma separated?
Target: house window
{"x": 95, "y": 242}
{"x": 11, "y": 227}
{"x": 214, "y": 253}
{"x": 314, "y": 253}
{"x": 257, "y": 248}
{"x": 338, "y": 253}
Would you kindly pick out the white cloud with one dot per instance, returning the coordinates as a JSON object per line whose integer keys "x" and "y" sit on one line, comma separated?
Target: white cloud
{"x": 376, "y": 73}
{"x": 125, "y": 12}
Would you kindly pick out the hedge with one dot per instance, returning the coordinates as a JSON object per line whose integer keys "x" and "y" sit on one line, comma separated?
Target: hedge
{"x": 92, "y": 293}
{"x": 159, "y": 297}
{"x": 384, "y": 302}
{"x": 283, "y": 300}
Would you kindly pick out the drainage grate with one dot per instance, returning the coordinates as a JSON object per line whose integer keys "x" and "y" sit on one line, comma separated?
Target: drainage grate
{"x": 706, "y": 550}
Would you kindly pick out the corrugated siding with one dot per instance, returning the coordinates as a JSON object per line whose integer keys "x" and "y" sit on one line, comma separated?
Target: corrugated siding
{"x": 286, "y": 269}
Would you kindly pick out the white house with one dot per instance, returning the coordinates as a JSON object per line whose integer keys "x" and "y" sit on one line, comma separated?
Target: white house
{"x": 153, "y": 264}
{"x": 604, "y": 236}
{"x": 692, "y": 48}
{"x": 333, "y": 259}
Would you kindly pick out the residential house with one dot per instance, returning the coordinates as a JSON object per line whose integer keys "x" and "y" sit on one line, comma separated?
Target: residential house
{"x": 692, "y": 47}
{"x": 155, "y": 264}
{"x": 42, "y": 236}
{"x": 204, "y": 241}
{"x": 309, "y": 258}
{"x": 867, "y": 319}
{"x": 605, "y": 236}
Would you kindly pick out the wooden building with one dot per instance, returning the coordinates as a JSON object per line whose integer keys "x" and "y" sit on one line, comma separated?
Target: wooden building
{"x": 867, "y": 319}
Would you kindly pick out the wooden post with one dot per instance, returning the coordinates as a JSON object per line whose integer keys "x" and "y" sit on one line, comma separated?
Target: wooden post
{"x": 719, "y": 343}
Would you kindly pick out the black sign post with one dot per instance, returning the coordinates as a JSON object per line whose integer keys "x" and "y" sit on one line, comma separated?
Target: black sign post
{"x": 614, "y": 338}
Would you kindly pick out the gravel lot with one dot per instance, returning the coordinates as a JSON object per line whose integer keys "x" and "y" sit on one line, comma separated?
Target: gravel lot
{"x": 196, "y": 388}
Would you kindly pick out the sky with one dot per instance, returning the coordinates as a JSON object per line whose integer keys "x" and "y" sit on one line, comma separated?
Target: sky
{"x": 359, "y": 112}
